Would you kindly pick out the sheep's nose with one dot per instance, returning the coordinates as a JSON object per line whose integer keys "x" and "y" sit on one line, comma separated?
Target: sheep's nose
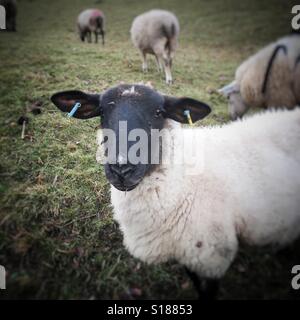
{"x": 121, "y": 170}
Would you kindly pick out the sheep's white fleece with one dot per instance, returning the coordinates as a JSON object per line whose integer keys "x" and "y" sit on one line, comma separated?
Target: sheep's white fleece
{"x": 249, "y": 189}
{"x": 146, "y": 31}
{"x": 283, "y": 81}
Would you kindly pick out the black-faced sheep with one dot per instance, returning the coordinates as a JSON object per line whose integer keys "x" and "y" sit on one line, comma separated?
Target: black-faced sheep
{"x": 10, "y": 7}
{"x": 156, "y": 32}
{"x": 243, "y": 183}
{"x": 91, "y": 21}
{"x": 268, "y": 79}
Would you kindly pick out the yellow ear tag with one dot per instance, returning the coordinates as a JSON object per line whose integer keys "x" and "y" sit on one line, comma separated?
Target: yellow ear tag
{"x": 188, "y": 116}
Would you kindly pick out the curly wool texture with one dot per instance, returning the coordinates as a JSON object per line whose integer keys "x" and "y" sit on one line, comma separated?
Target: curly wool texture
{"x": 283, "y": 86}
{"x": 248, "y": 187}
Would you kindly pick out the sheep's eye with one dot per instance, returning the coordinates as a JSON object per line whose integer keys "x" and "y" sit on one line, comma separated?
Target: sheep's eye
{"x": 104, "y": 140}
{"x": 158, "y": 113}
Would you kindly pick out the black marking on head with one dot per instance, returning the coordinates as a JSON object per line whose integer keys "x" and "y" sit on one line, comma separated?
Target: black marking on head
{"x": 135, "y": 104}
{"x": 269, "y": 67}
{"x": 135, "y": 107}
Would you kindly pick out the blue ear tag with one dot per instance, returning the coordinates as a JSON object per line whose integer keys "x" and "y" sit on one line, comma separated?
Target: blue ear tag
{"x": 188, "y": 116}
{"x": 75, "y": 108}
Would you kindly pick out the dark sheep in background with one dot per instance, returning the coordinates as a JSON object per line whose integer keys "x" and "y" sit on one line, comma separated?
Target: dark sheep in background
{"x": 91, "y": 20}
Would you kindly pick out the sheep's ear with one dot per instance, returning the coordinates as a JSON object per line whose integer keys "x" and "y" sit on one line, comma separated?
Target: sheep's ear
{"x": 90, "y": 103}
{"x": 175, "y": 109}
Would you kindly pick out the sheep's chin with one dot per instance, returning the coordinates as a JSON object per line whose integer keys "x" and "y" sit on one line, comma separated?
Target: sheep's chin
{"x": 125, "y": 188}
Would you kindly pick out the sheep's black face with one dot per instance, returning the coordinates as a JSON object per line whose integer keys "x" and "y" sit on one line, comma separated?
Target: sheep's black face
{"x": 130, "y": 114}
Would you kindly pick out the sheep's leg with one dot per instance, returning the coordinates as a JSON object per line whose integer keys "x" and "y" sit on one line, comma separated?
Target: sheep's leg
{"x": 81, "y": 33}
{"x": 82, "y": 36}
{"x": 102, "y": 34}
{"x": 96, "y": 36}
{"x": 167, "y": 61}
{"x": 207, "y": 288}
{"x": 145, "y": 64}
{"x": 89, "y": 36}
{"x": 158, "y": 63}
{"x": 167, "y": 67}
{"x": 163, "y": 54}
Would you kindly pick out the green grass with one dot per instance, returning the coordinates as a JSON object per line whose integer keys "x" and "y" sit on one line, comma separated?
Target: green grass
{"x": 57, "y": 235}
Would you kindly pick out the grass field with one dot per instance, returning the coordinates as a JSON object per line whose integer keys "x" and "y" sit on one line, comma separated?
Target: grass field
{"x": 57, "y": 235}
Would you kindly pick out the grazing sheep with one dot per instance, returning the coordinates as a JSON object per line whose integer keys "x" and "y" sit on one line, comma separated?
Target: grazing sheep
{"x": 156, "y": 32}
{"x": 91, "y": 20}
{"x": 11, "y": 14}
{"x": 267, "y": 79}
{"x": 246, "y": 187}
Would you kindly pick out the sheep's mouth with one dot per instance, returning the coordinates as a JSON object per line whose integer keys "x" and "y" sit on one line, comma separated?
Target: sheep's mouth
{"x": 125, "y": 188}
{"x": 125, "y": 179}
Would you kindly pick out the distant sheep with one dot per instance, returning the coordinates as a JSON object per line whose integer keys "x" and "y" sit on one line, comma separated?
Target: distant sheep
{"x": 246, "y": 188}
{"x": 91, "y": 21}
{"x": 11, "y": 14}
{"x": 270, "y": 78}
{"x": 156, "y": 32}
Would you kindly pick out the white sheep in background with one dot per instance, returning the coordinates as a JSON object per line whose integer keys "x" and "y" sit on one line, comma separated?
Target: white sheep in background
{"x": 246, "y": 186}
{"x": 156, "y": 32}
{"x": 270, "y": 78}
{"x": 91, "y": 21}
